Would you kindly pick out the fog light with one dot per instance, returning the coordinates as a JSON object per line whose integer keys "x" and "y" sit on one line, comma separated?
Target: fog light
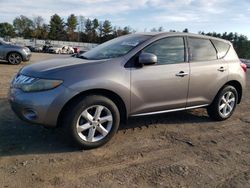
{"x": 29, "y": 114}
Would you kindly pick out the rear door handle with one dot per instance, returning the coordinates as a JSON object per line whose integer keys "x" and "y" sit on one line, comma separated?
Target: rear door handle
{"x": 221, "y": 69}
{"x": 181, "y": 74}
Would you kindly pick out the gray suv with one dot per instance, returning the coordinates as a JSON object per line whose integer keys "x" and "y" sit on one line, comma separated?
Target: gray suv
{"x": 133, "y": 75}
{"x": 14, "y": 54}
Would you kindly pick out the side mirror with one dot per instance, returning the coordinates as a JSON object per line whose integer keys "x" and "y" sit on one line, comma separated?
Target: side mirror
{"x": 147, "y": 58}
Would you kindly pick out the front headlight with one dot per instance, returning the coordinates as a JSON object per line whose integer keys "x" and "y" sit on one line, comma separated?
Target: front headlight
{"x": 30, "y": 84}
{"x": 26, "y": 50}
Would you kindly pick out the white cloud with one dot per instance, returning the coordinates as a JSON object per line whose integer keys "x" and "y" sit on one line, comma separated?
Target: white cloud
{"x": 97, "y": 8}
{"x": 138, "y": 13}
{"x": 187, "y": 17}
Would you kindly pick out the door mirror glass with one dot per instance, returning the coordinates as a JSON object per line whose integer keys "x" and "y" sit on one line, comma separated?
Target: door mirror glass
{"x": 147, "y": 58}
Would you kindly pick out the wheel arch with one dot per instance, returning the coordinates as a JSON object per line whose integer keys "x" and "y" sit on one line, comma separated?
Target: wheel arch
{"x": 106, "y": 93}
{"x": 236, "y": 84}
{"x": 7, "y": 55}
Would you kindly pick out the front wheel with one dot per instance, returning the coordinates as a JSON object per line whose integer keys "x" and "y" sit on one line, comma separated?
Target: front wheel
{"x": 224, "y": 104}
{"x": 92, "y": 121}
{"x": 14, "y": 58}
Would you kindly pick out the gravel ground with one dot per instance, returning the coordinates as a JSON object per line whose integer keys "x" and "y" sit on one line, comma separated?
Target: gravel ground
{"x": 183, "y": 149}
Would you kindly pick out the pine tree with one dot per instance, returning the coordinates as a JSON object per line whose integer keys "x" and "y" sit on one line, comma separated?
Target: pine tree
{"x": 56, "y": 31}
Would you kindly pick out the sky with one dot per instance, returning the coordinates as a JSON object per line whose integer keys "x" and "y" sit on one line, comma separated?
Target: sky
{"x": 142, "y": 15}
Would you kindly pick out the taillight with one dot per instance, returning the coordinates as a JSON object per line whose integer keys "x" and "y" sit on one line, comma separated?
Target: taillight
{"x": 243, "y": 66}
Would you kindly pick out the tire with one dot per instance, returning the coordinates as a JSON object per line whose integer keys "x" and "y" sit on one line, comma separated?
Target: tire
{"x": 86, "y": 127}
{"x": 14, "y": 58}
{"x": 224, "y": 103}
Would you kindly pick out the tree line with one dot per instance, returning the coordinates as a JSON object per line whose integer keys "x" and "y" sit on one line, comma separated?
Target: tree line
{"x": 239, "y": 41}
{"x": 75, "y": 28}
{"x": 81, "y": 29}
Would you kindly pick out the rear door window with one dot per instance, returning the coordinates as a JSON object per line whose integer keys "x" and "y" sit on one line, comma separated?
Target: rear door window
{"x": 201, "y": 49}
{"x": 221, "y": 47}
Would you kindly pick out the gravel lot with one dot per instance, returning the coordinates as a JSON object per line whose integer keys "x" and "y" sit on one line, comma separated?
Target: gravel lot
{"x": 184, "y": 149}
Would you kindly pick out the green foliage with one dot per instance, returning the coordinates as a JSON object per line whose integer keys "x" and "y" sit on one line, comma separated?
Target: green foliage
{"x": 75, "y": 29}
{"x": 94, "y": 31}
{"x": 23, "y": 26}
{"x": 71, "y": 27}
{"x": 57, "y": 28}
{"x": 88, "y": 30}
{"x": 107, "y": 27}
{"x": 40, "y": 29}
{"x": 7, "y": 29}
{"x": 72, "y": 22}
{"x": 240, "y": 42}
{"x": 159, "y": 29}
{"x": 106, "y": 31}
{"x": 95, "y": 25}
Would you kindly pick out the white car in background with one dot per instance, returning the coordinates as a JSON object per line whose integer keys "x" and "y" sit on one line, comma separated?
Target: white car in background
{"x": 61, "y": 50}
{"x": 246, "y": 61}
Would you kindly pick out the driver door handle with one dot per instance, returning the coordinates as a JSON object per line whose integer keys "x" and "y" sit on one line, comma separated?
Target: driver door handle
{"x": 181, "y": 74}
{"x": 221, "y": 69}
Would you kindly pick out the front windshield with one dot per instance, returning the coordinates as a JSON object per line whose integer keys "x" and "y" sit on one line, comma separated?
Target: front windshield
{"x": 115, "y": 48}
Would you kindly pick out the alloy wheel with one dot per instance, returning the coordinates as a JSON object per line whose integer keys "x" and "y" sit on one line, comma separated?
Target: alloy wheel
{"x": 227, "y": 104}
{"x": 15, "y": 58}
{"x": 94, "y": 123}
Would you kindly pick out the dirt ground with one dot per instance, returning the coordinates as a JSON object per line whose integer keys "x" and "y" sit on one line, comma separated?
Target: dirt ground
{"x": 184, "y": 149}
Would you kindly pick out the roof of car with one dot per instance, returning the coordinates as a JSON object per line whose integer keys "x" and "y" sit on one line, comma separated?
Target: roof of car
{"x": 180, "y": 33}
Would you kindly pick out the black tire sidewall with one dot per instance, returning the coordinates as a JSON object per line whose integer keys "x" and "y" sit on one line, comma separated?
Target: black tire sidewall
{"x": 16, "y": 54}
{"x": 80, "y": 107}
{"x": 214, "y": 108}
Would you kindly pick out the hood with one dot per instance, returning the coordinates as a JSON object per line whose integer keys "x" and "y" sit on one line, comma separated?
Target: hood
{"x": 44, "y": 68}
{"x": 14, "y": 46}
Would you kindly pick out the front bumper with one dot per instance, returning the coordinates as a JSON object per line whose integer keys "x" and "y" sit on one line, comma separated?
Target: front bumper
{"x": 26, "y": 57}
{"x": 52, "y": 51}
{"x": 40, "y": 107}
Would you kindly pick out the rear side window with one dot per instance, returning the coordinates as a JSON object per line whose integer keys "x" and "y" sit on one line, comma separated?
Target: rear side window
{"x": 221, "y": 47}
{"x": 201, "y": 49}
{"x": 168, "y": 50}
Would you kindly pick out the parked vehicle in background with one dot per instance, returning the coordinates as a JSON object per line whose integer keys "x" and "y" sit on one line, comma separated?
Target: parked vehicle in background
{"x": 133, "y": 75}
{"x": 54, "y": 49}
{"x": 61, "y": 50}
{"x": 76, "y": 50}
{"x": 78, "y": 54}
{"x": 67, "y": 50}
{"x": 246, "y": 61}
{"x": 46, "y": 48}
{"x": 35, "y": 48}
{"x": 14, "y": 54}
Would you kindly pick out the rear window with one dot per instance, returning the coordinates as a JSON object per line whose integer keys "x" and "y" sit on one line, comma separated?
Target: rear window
{"x": 201, "y": 49}
{"x": 221, "y": 47}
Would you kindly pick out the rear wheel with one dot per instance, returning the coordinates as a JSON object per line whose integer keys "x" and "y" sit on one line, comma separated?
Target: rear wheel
{"x": 14, "y": 58}
{"x": 224, "y": 104}
{"x": 92, "y": 121}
